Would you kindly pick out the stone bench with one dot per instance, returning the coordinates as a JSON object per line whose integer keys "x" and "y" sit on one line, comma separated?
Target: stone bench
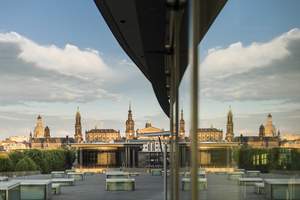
{"x": 3, "y": 178}
{"x": 120, "y": 184}
{"x": 278, "y": 189}
{"x": 201, "y": 174}
{"x": 252, "y": 173}
{"x": 259, "y": 188}
{"x": 58, "y": 174}
{"x": 117, "y": 174}
{"x": 35, "y": 189}
{"x": 249, "y": 181}
{"x": 235, "y": 175}
{"x": 56, "y": 189}
{"x": 10, "y": 190}
{"x": 186, "y": 184}
{"x": 156, "y": 172}
{"x": 78, "y": 176}
{"x": 134, "y": 174}
{"x": 64, "y": 181}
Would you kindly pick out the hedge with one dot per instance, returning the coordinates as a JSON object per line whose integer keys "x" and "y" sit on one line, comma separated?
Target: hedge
{"x": 44, "y": 160}
{"x": 26, "y": 164}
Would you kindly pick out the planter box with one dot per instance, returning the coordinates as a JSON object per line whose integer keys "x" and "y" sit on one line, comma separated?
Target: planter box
{"x": 10, "y": 190}
{"x": 252, "y": 173}
{"x": 78, "y": 176}
{"x": 156, "y": 172}
{"x": 38, "y": 189}
{"x": 186, "y": 184}
{"x": 120, "y": 184}
{"x": 64, "y": 181}
{"x": 282, "y": 189}
{"x": 58, "y": 174}
{"x": 117, "y": 174}
{"x": 235, "y": 175}
{"x": 56, "y": 189}
{"x": 250, "y": 181}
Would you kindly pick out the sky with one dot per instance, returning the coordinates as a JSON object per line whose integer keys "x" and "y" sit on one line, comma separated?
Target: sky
{"x": 59, "y": 54}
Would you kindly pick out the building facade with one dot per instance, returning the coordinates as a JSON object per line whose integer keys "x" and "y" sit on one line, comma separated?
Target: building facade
{"x": 129, "y": 131}
{"x": 39, "y": 131}
{"x": 229, "y": 127}
{"x": 102, "y": 135}
{"x": 210, "y": 135}
{"x": 78, "y": 129}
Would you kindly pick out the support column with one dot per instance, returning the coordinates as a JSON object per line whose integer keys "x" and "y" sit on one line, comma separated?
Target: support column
{"x": 80, "y": 158}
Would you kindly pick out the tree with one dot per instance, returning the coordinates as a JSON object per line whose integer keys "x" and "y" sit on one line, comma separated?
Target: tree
{"x": 26, "y": 164}
{"x": 6, "y": 164}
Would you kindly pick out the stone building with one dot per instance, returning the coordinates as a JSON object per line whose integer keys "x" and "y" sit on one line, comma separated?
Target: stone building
{"x": 270, "y": 130}
{"x": 266, "y": 138}
{"x": 41, "y": 139}
{"x": 129, "y": 132}
{"x": 78, "y": 129}
{"x": 39, "y": 128}
{"x": 229, "y": 128}
{"x": 102, "y": 135}
{"x": 210, "y": 135}
{"x": 145, "y": 133}
{"x": 181, "y": 126}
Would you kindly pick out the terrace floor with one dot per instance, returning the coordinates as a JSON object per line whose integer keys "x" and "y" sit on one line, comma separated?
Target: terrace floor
{"x": 151, "y": 188}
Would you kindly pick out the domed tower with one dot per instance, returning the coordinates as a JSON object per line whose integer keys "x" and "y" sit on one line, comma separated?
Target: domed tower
{"x": 129, "y": 125}
{"x": 181, "y": 126}
{"x": 78, "y": 128}
{"x": 148, "y": 124}
{"x": 269, "y": 127}
{"x": 39, "y": 128}
{"x": 262, "y": 131}
{"x": 229, "y": 132}
{"x": 47, "y": 132}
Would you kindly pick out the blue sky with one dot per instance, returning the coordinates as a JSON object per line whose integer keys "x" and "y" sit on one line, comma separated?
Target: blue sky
{"x": 103, "y": 99}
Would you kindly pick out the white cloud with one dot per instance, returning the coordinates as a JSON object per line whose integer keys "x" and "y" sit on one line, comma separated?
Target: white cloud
{"x": 237, "y": 58}
{"x": 70, "y": 60}
{"x": 260, "y": 71}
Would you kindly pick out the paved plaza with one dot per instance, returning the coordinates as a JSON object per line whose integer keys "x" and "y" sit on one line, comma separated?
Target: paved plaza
{"x": 151, "y": 188}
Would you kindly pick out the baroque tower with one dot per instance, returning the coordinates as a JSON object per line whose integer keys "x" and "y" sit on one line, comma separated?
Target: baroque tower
{"x": 181, "y": 126}
{"x": 47, "y": 132}
{"x": 39, "y": 128}
{"x": 78, "y": 128}
{"x": 129, "y": 125}
{"x": 229, "y": 131}
{"x": 269, "y": 127}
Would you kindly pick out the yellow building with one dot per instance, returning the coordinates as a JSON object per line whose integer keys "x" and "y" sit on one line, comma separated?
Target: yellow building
{"x": 210, "y": 135}
{"x": 102, "y": 135}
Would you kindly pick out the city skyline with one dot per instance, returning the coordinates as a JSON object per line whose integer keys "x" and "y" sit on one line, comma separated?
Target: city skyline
{"x": 51, "y": 68}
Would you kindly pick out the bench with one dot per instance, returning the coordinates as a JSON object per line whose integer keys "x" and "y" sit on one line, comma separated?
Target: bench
{"x": 58, "y": 174}
{"x": 278, "y": 189}
{"x": 78, "y": 176}
{"x": 259, "y": 188}
{"x": 186, "y": 184}
{"x": 120, "y": 184}
{"x": 117, "y": 174}
{"x": 35, "y": 189}
{"x": 201, "y": 174}
{"x": 69, "y": 170}
{"x": 56, "y": 189}
{"x": 10, "y": 190}
{"x": 252, "y": 173}
{"x": 156, "y": 172}
{"x": 3, "y": 178}
{"x": 235, "y": 175}
{"x": 64, "y": 181}
{"x": 249, "y": 181}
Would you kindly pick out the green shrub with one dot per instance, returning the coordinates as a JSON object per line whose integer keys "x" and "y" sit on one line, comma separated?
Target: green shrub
{"x": 26, "y": 164}
{"x": 15, "y": 156}
{"x": 6, "y": 164}
{"x": 38, "y": 157}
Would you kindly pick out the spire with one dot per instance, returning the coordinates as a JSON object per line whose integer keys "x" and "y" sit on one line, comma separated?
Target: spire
{"x": 129, "y": 106}
{"x": 229, "y": 132}
{"x": 181, "y": 114}
{"x": 129, "y": 124}
{"x": 78, "y": 128}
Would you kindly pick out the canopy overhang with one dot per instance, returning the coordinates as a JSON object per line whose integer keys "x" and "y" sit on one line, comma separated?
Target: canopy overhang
{"x": 142, "y": 29}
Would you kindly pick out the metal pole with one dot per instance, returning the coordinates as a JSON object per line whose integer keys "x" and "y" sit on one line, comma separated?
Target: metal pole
{"x": 194, "y": 31}
{"x": 165, "y": 172}
{"x": 176, "y": 70}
